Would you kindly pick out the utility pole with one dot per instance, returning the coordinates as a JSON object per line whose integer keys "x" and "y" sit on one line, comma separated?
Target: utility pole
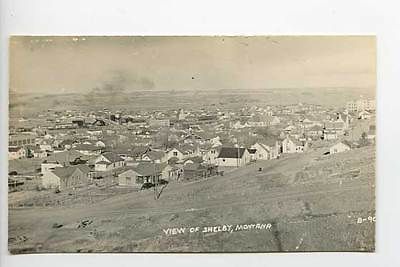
{"x": 155, "y": 181}
{"x": 238, "y": 154}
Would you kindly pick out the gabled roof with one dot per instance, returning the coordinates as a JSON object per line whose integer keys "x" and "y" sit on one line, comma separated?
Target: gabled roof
{"x": 154, "y": 154}
{"x": 193, "y": 136}
{"x": 128, "y": 169}
{"x": 138, "y": 150}
{"x": 365, "y": 112}
{"x": 231, "y": 152}
{"x": 66, "y": 172}
{"x": 14, "y": 149}
{"x": 265, "y": 147}
{"x": 295, "y": 141}
{"x": 348, "y": 143}
{"x": 84, "y": 168}
{"x": 148, "y": 168}
{"x": 194, "y": 159}
{"x": 87, "y": 147}
{"x": 64, "y": 156}
{"x": 344, "y": 142}
{"x": 112, "y": 157}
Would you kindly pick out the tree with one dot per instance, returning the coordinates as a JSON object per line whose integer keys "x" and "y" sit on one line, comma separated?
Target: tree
{"x": 364, "y": 139}
{"x": 29, "y": 153}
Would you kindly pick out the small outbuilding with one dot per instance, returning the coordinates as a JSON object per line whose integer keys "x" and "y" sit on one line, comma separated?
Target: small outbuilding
{"x": 340, "y": 147}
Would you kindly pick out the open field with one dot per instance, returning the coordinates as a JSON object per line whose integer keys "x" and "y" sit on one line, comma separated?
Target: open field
{"x": 312, "y": 203}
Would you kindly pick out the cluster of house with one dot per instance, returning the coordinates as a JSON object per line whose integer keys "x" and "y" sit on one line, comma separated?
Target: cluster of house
{"x": 71, "y": 168}
{"x": 172, "y": 145}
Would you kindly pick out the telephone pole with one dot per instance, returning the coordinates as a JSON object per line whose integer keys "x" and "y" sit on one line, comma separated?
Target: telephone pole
{"x": 155, "y": 180}
{"x": 238, "y": 156}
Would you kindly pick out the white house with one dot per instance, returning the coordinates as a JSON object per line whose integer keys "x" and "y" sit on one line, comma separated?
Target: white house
{"x": 16, "y": 153}
{"x": 46, "y": 145}
{"x": 49, "y": 179}
{"x": 108, "y": 161}
{"x": 315, "y": 131}
{"x": 146, "y": 172}
{"x": 265, "y": 152}
{"x": 330, "y": 135}
{"x": 364, "y": 115}
{"x": 130, "y": 178}
{"x": 340, "y": 147}
{"x": 168, "y": 172}
{"x": 233, "y": 157}
{"x": 335, "y": 128}
{"x": 66, "y": 177}
{"x": 174, "y": 153}
{"x": 210, "y": 155}
{"x": 293, "y": 146}
{"x": 37, "y": 153}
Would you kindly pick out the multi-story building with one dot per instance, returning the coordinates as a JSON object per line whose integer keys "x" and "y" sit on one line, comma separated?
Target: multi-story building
{"x": 361, "y": 104}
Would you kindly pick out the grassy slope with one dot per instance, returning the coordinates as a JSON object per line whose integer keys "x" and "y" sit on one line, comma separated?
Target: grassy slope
{"x": 312, "y": 202}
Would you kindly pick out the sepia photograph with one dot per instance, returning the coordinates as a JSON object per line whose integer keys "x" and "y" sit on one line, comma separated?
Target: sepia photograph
{"x": 198, "y": 144}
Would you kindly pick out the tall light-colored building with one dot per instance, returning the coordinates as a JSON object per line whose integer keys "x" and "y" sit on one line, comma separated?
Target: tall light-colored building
{"x": 361, "y": 104}
{"x": 181, "y": 115}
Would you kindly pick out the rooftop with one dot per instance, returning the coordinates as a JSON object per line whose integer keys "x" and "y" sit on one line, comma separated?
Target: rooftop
{"x": 231, "y": 152}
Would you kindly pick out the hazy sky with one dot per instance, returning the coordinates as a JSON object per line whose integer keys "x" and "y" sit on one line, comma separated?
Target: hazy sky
{"x": 82, "y": 64}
